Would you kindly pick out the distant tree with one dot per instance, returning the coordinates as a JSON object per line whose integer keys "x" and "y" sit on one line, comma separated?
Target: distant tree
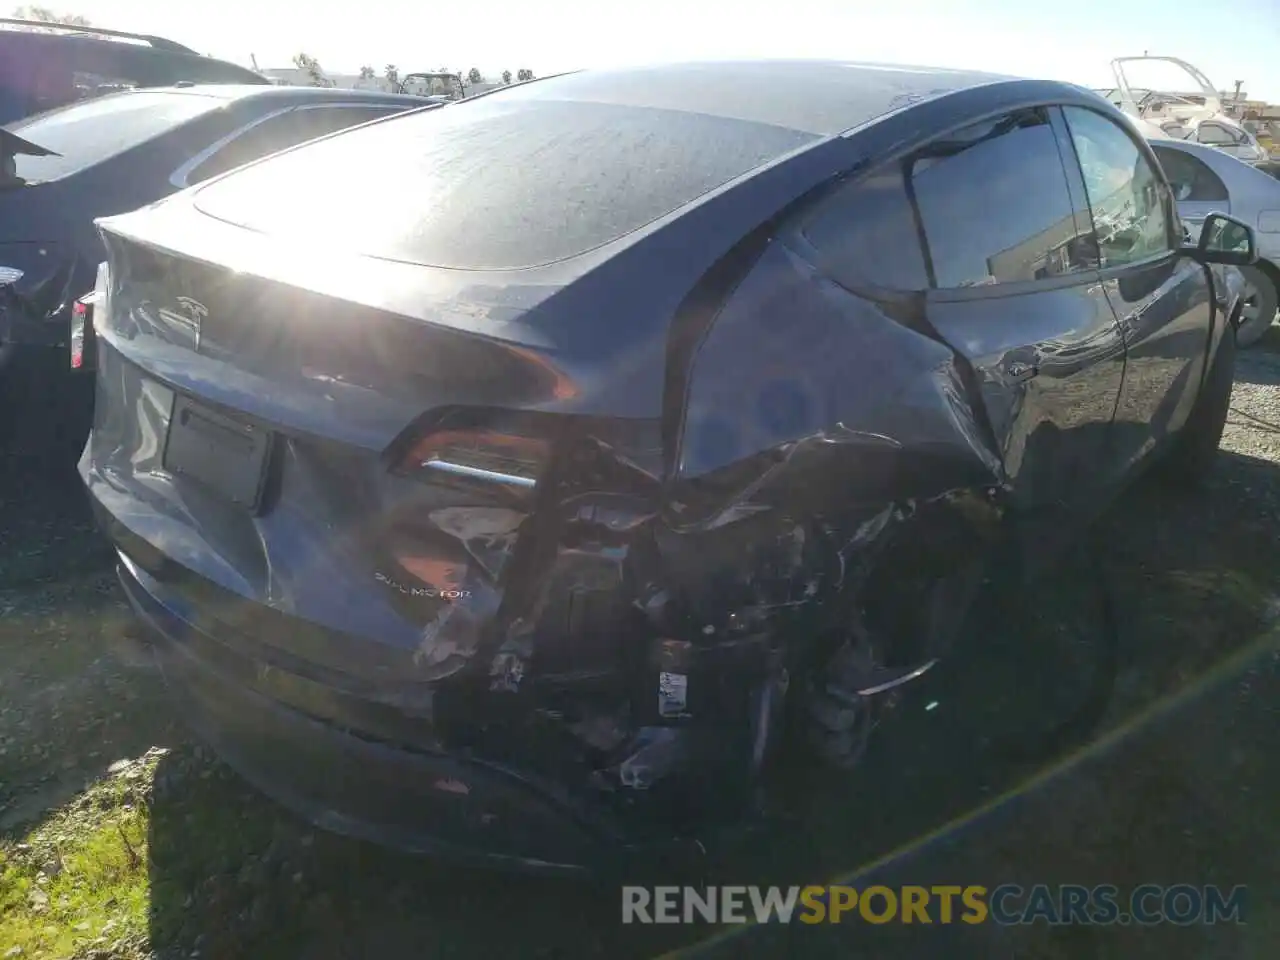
{"x": 506, "y": 76}
{"x": 311, "y": 67}
{"x": 366, "y": 73}
{"x": 524, "y": 74}
{"x": 392, "y": 74}
{"x": 45, "y": 15}
{"x": 475, "y": 76}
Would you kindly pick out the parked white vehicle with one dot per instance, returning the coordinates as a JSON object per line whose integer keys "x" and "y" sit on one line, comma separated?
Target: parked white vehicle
{"x": 1206, "y": 180}
{"x": 1197, "y": 115}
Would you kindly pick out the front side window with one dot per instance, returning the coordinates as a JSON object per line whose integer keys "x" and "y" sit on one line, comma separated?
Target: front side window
{"x": 994, "y": 204}
{"x": 1126, "y": 195}
{"x": 1191, "y": 178}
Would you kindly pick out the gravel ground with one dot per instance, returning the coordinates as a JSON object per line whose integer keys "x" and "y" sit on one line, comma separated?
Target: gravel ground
{"x": 1180, "y": 786}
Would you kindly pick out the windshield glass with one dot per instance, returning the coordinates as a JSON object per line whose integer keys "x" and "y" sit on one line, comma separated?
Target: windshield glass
{"x": 493, "y": 185}
{"x": 86, "y": 133}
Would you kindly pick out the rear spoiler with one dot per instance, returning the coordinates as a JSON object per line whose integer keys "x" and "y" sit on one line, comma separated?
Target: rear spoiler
{"x": 12, "y": 145}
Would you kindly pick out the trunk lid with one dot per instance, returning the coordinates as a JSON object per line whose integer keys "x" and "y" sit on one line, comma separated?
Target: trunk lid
{"x": 383, "y": 568}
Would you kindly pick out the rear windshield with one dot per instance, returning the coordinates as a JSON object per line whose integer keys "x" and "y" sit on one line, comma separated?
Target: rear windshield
{"x": 496, "y": 183}
{"x": 94, "y": 130}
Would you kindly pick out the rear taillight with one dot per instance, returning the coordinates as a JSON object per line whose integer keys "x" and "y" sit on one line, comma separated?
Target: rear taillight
{"x": 479, "y": 456}
{"x": 79, "y": 321}
{"x": 83, "y": 313}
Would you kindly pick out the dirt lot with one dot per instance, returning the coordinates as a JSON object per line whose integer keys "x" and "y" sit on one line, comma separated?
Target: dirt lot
{"x": 120, "y": 837}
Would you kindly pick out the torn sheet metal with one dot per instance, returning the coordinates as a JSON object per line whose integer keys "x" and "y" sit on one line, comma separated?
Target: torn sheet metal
{"x": 792, "y": 354}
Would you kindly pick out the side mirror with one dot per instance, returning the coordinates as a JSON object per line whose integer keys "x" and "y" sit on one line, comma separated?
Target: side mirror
{"x": 1225, "y": 239}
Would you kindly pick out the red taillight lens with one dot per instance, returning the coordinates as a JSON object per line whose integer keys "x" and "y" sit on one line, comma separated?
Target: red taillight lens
{"x": 482, "y": 456}
{"x": 79, "y": 322}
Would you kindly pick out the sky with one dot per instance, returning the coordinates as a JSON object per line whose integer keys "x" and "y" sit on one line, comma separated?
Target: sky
{"x": 1228, "y": 40}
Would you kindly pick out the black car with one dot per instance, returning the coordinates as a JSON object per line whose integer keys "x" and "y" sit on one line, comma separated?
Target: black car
{"x": 45, "y": 65}
{"x": 109, "y": 155}
{"x": 630, "y": 430}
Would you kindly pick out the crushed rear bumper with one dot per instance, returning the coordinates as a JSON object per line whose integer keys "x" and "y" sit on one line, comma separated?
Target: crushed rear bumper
{"x": 419, "y": 801}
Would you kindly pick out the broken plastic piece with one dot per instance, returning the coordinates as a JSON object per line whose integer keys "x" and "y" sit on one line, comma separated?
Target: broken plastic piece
{"x": 659, "y": 752}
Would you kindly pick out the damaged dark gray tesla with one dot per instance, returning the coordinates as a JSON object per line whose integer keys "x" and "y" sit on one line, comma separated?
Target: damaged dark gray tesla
{"x": 516, "y": 480}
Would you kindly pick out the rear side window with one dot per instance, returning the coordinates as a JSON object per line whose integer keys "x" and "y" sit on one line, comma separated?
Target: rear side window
{"x": 497, "y": 184}
{"x": 865, "y": 234}
{"x": 1190, "y": 177}
{"x": 87, "y": 133}
{"x": 285, "y": 130}
{"x": 994, "y": 204}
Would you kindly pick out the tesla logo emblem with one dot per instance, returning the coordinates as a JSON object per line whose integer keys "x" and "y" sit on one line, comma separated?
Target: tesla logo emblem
{"x": 188, "y": 316}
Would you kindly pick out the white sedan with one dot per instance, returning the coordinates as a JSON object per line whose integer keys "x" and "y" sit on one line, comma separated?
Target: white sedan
{"x": 1206, "y": 180}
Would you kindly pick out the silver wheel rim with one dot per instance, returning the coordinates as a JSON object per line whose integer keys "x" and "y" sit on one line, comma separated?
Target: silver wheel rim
{"x": 1250, "y": 311}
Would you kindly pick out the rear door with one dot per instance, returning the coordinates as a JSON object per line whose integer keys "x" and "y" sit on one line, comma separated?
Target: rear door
{"x": 1014, "y": 287}
{"x": 1161, "y": 300}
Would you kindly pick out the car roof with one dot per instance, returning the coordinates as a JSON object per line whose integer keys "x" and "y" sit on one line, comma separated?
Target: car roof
{"x": 820, "y": 97}
{"x": 1238, "y": 174}
{"x": 1212, "y": 155}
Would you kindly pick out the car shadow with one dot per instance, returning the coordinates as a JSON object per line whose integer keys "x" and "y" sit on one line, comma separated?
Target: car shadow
{"x": 234, "y": 875}
{"x": 74, "y": 698}
{"x": 1260, "y": 364}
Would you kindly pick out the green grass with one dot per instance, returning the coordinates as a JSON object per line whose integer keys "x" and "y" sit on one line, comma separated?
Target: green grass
{"x": 78, "y": 881}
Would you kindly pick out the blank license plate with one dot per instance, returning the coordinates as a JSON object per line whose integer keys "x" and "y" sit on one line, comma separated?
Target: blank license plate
{"x": 225, "y": 454}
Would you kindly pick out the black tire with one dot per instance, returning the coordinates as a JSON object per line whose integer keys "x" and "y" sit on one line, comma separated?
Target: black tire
{"x": 1265, "y": 283}
{"x": 1190, "y": 461}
